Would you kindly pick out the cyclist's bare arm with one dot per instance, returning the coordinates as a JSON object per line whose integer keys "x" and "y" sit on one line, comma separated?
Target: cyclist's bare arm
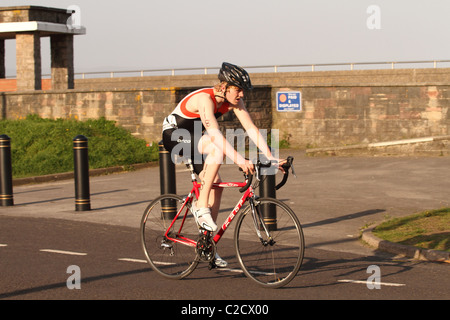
{"x": 254, "y": 134}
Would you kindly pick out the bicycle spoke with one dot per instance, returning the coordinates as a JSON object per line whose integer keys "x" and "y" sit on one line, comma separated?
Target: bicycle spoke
{"x": 274, "y": 261}
{"x": 172, "y": 255}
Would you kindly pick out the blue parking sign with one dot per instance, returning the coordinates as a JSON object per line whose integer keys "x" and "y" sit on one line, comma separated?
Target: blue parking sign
{"x": 289, "y": 101}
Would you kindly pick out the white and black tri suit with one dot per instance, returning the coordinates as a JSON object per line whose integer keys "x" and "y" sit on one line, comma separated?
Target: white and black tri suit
{"x": 181, "y": 118}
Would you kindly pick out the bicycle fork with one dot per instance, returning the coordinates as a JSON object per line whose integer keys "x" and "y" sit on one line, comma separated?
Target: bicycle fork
{"x": 261, "y": 226}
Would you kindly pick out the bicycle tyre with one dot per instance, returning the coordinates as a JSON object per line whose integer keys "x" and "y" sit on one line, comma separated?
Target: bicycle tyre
{"x": 270, "y": 265}
{"x": 170, "y": 259}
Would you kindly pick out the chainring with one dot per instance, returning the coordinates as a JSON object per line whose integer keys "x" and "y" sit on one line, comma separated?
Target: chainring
{"x": 206, "y": 247}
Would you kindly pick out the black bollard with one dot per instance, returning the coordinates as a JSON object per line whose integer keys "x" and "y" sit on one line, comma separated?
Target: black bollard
{"x": 267, "y": 190}
{"x": 167, "y": 181}
{"x": 81, "y": 173}
{"x": 6, "y": 187}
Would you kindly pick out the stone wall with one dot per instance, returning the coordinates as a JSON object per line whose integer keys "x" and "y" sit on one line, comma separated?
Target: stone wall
{"x": 337, "y": 116}
{"x": 338, "y": 107}
{"x": 141, "y": 111}
{"x": 33, "y": 13}
{"x": 52, "y": 23}
{"x": 351, "y": 107}
{"x": 28, "y": 56}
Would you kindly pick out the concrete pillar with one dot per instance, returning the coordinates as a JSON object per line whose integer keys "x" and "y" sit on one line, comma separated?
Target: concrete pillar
{"x": 2, "y": 59}
{"x": 62, "y": 61}
{"x": 28, "y": 55}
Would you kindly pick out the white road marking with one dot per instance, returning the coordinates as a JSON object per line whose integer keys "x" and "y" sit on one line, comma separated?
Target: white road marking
{"x": 171, "y": 263}
{"x": 3, "y": 245}
{"x": 240, "y": 271}
{"x": 164, "y": 263}
{"x": 133, "y": 260}
{"x": 145, "y": 261}
{"x": 64, "y": 252}
{"x": 230, "y": 270}
{"x": 375, "y": 283}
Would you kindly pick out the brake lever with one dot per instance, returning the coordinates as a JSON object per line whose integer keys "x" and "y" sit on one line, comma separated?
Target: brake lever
{"x": 293, "y": 171}
{"x": 257, "y": 170}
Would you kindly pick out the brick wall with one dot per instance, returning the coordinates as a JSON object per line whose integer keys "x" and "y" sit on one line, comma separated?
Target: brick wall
{"x": 8, "y": 85}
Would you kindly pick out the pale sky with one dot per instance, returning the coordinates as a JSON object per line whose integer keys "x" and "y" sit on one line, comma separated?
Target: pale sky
{"x": 148, "y": 34}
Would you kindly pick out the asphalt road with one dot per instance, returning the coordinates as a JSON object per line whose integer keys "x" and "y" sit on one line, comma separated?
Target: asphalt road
{"x": 38, "y": 255}
{"x": 42, "y": 238}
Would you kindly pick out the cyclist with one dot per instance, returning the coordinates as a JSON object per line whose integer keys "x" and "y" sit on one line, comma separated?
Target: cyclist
{"x": 200, "y": 109}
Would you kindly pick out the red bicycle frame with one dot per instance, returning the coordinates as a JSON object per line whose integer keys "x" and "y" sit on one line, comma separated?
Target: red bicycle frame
{"x": 195, "y": 190}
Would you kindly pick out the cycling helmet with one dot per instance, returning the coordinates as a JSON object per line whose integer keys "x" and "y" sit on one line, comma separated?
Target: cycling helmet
{"x": 235, "y": 76}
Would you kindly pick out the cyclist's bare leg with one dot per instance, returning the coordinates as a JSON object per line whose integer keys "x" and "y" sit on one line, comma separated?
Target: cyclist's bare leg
{"x": 207, "y": 193}
{"x": 210, "y": 197}
{"x": 215, "y": 194}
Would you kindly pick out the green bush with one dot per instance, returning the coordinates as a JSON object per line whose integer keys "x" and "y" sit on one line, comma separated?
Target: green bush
{"x": 45, "y": 146}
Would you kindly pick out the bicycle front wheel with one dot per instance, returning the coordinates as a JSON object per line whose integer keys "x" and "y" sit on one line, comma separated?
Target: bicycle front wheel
{"x": 271, "y": 260}
{"x": 173, "y": 256}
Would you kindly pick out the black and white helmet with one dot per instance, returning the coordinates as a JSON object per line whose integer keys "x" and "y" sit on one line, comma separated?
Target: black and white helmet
{"x": 235, "y": 76}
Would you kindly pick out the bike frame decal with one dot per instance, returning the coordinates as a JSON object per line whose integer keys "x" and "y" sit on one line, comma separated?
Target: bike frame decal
{"x": 195, "y": 190}
{"x": 248, "y": 193}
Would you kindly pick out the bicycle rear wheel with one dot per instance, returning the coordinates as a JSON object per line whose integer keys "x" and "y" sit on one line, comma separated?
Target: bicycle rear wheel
{"x": 272, "y": 261}
{"x": 173, "y": 256}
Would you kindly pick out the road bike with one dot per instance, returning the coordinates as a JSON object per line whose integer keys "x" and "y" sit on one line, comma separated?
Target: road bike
{"x": 268, "y": 237}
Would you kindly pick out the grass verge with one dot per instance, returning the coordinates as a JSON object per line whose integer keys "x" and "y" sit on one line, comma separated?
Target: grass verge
{"x": 45, "y": 146}
{"x": 427, "y": 230}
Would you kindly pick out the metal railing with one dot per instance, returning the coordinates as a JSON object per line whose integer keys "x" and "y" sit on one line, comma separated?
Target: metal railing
{"x": 268, "y": 68}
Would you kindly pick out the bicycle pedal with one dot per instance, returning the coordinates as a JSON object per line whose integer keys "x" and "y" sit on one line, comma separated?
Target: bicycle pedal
{"x": 212, "y": 265}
